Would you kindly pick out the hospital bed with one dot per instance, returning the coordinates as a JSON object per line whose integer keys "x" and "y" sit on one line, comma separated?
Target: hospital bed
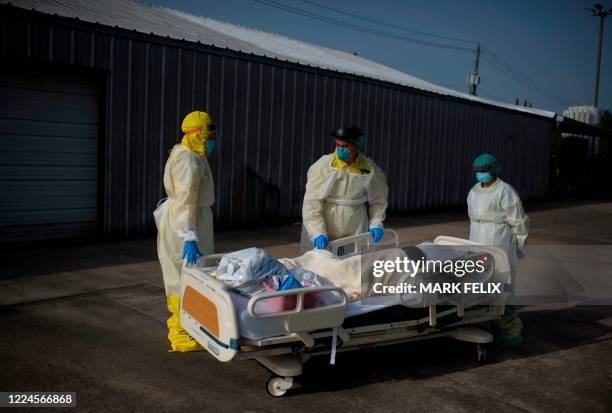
{"x": 234, "y": 327}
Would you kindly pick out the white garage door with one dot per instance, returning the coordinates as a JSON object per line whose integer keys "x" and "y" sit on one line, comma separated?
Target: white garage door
{"x": 48, "y": 158}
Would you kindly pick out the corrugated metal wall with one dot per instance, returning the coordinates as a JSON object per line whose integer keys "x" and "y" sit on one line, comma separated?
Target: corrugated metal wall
{"x": 48, "y": 157}
{"x": 274, "y": 120}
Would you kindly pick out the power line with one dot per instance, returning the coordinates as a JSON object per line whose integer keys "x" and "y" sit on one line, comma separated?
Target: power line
{"x": 315, "y": 16}
{"x": 494, "y": 56}
{"x": 524, "y": 77}
{"x": 533, "y": 88}
{"x": 490, "y": 57}
{"x": 516, "y": 78}
{"x": 439, "y": 36}
{"x": 510, "y": 71}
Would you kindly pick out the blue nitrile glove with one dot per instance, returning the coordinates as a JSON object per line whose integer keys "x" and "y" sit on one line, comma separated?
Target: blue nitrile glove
{"x": 320, "y": 242}
{"x": 191, "y": 252}
{"x": 290, "y": 283}
{"x": 377, "y": 234}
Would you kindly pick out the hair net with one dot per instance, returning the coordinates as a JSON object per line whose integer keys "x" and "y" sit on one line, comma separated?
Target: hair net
{"x": 487, "y": 160}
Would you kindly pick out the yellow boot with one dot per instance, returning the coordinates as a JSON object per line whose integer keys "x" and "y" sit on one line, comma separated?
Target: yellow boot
{"x": 179, "y": 339}
{"x": 510, "y": 329}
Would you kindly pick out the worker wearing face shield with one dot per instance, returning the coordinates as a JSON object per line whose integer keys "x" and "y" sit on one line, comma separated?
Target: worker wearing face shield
{"x": 497, "y": 218}
{"x": 184, "y": 220}
{"x": 338, "y": 188}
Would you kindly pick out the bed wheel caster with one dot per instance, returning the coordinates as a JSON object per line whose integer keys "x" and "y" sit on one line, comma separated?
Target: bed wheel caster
{"x": 278, "y": 386}
{"x": 481, "y": 353}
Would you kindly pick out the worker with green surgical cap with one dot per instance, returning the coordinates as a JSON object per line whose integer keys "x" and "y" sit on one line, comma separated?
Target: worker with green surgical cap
{"x": 497, "y": 218}
{"x": 184, "y": 220}
{"x": 338, "y": 187}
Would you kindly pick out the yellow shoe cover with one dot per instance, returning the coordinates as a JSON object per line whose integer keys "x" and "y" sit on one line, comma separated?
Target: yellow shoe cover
{"x": 180, "y": 341}
{"x": 510, "y": 324}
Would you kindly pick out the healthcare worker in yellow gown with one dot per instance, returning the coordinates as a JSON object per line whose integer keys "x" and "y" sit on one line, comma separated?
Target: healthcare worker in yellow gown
{"x": 184, "y": 220}
{"x": 497, "y": 218}
{"x": 338, "y": 187}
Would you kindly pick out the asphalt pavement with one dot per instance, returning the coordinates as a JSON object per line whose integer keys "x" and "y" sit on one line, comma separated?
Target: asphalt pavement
{"x": 90, "y": 318}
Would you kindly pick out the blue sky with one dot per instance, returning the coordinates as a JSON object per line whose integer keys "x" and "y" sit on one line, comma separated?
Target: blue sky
{"x": 553, "y": 43}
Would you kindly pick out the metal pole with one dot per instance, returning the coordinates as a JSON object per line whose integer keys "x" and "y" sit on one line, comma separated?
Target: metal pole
{"x": 599, "y": 11}
{"x": 473, "y": 79}
{"x": 598, "y": 67}
{"x": 477, "y": 65}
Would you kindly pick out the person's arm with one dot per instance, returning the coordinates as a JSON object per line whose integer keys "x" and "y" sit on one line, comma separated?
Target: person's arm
{"x": 516, "y": 217}
{"x": 378, "y": 193}
{"x": 186, "y": 180}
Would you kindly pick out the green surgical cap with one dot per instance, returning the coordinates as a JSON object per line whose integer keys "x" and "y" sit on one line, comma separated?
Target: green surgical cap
{"x": 486, "y": 159}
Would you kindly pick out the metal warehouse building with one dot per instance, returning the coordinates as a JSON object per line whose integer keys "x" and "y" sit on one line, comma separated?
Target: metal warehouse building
{"x": 93, "y": 93}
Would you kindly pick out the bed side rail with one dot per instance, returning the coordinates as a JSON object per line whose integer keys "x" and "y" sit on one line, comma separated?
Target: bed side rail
{"x": 210, "y": 260}
{"x": 355, "y": 244}
{"x": 302, "y": 319}
{"x": 502, "y": 263}
{"x": 433, "y": 298}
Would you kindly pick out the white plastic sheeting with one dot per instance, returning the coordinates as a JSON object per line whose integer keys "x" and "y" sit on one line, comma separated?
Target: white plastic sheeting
{"x": 586, "y": 114}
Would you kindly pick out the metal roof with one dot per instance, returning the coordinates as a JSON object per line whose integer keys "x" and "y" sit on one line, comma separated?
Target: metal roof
{"x": 161, "y": 21}
{"x": 568, "y": 125}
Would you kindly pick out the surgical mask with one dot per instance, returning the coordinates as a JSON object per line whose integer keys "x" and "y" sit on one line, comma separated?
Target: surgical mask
{"x": 483, "y": 177}
{"x": 343, "y": 153}
{"x": 210, "y": 145}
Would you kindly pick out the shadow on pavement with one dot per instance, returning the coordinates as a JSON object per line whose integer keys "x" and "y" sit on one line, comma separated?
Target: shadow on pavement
{"x": 26, "y": 260}
{"x": 546, "y": 331}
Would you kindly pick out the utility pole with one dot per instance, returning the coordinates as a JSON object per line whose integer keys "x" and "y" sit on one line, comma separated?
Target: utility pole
{"x": 474, "y": 77}
{"x": 598, "y": 10}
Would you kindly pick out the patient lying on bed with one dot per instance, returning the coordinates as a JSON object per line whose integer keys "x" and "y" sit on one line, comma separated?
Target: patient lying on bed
{"x": 354, "y": 273}
{"x": 346, "y": 273}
